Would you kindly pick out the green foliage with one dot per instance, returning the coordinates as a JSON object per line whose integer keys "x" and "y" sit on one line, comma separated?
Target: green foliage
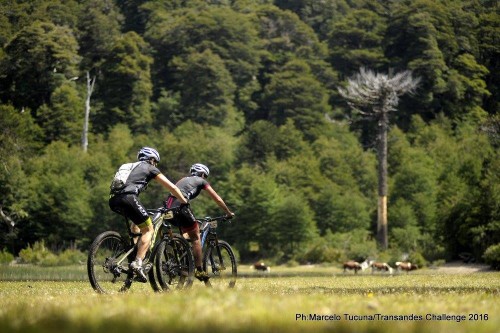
{"x": 99, "y": 24}
{"x": 37, "y": 59}
{"x": 356, "y": 41}
{"x": 126, "y": 85}
{"x": 417, "y": 259}
{"x": 339, "y": 247}
{"x": 6, "y": 257}
{"x": 321, "y": 250}
{"x": 56, "y": 186}
{"x": 62, "y": 119}
{"x": 294, "y": 93}
{"x": 206, "y": 88}
{"x": 38, "y": 254}
{"x": 492, "y": 256}
{"x": 251, "y": 89}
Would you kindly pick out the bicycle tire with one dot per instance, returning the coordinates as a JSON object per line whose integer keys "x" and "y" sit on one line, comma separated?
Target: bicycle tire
{"x": 174, "y": 264}
{"x": 220, "y": 276}
{"x": 105, "y": 274}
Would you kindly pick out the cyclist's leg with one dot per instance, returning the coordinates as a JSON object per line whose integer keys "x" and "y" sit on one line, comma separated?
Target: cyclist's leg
{"x": 190, "y": 226}
{"x": 146, "y": 229}
{"x": 140, "y": 217}
{"x": 194, "y": 236}
{"x": 135, "y": 230}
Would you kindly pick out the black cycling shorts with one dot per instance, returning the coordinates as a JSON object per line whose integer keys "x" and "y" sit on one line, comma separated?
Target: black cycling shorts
{"x": 129, "y": 206}
{"x": 184, "y": 219}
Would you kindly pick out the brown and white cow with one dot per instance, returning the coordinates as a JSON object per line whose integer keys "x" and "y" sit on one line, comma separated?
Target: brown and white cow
{"x": 406, "y": 266}
{"x": 356, "y": 266}
{"x": 260, "y": 266}
{"x": 381, "y": 267}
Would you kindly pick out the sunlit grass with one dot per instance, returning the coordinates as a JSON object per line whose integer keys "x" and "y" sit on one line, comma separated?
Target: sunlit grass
{"x": 259, "y": 303}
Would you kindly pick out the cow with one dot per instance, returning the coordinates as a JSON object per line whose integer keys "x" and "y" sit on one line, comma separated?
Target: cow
{"x": 356, "y": 266}
{"x": 381, "y": 266}
{"x": 406, "y": 266}
{"x": 260, "y": 266}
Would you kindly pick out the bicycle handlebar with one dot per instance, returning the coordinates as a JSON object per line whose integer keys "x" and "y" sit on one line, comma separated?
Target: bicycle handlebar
{"x": 218, "y": 218}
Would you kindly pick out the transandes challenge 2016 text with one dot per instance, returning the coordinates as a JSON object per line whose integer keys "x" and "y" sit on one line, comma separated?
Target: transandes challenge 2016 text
{"x": 383, "y": 317}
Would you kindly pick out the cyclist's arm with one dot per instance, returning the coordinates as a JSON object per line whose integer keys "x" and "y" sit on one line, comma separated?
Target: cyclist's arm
{"x": 218, "y": 199}
{"x": 171, "y": 186}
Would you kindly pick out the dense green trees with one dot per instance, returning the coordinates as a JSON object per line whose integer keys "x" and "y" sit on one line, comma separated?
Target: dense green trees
{"x": 250, "y": 89}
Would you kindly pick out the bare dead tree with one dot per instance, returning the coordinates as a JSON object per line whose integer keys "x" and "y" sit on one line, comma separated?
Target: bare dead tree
{"x": 374, "y": 95}
{"x": 8, "y": 220}
{"x": 90, "y": 89}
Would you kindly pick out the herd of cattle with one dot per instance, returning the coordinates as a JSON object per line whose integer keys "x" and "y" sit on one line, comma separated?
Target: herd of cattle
{"x": 379, "y": 266}
{"x": 356, "y": 266}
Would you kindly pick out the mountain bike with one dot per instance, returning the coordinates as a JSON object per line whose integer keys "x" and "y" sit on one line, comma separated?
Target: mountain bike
{"x": 170, "y": 254}
{"x": 219, "y": 260}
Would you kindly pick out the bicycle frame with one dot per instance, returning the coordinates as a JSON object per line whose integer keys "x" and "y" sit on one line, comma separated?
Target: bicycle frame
{"x": 207, "y": 229}
{"x": 158, "y": 217}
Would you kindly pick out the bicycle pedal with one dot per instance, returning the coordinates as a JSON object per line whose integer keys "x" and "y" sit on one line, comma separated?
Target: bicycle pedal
{"x": 147, "y": 267}
{"x": 141, "y": 279}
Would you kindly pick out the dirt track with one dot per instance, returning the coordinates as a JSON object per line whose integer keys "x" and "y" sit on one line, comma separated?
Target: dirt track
{"x": 462, "y": 268}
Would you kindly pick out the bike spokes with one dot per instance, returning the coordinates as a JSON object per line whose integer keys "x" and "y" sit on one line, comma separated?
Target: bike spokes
{"x": 220, "y": 264}
{"x": 107, "y": 264}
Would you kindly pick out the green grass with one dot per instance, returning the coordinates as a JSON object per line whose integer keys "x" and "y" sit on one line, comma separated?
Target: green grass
{"x": 259, "y": 303}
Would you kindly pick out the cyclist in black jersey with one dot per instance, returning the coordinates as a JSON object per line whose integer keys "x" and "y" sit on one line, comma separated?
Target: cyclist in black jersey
{"x": 190, "y": 187}
{"x": 125, "y": 201}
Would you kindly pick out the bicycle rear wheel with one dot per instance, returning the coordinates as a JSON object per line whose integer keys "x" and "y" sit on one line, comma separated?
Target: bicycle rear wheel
{"x": 174, "y": 263}
{"x": 107, "y": 266}
{"x": 220, "y": 264}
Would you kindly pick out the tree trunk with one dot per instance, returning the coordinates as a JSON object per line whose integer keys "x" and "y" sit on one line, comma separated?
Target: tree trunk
{"x": 382, "y": 180}
{"x": 90, "y": 87}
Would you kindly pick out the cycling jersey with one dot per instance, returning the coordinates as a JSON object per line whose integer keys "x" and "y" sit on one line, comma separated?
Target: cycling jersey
{"x": 126, "y": 201}
{"x": 139, "y": 178}
{"x": 190, "y": 188}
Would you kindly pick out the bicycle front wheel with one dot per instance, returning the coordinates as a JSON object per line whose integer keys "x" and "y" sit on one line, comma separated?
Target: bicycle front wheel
{"x": 107, "y": 263}
{"x": 174, "y": 263}
{"x": 220, "y": 264}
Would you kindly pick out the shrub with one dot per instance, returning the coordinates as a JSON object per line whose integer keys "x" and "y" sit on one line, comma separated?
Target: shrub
{"x": 5, "y": 257}
{"x": 40, "y": 255}
{"x": 320, "y": 250}
{"x": 36, "y": 254}
{"x": 418, "y": 259}
{"x": 71, "y": 257}
{"x": 492, "y": 256}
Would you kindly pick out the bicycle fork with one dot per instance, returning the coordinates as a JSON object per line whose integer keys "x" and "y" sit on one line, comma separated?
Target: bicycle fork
{"x": 214, "y": 243}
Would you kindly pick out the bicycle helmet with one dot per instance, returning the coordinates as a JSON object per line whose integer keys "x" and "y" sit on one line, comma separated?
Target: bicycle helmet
{"x": 147, "y": 153}
{"x": 198, "y": 168}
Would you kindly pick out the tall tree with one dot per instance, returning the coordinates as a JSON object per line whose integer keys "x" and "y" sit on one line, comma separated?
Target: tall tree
{"x": 376, "y": 95}
{"x": 125, "y": 88}
{"x": 294, "y": 93}
{"x": 37, "y": 59}
{"x": 99, "y": 25}
{"x": 62, "y": 118}
{"x": 230, "y": 35}
{"x": 20, "y": 139}
{"x": 206, "y": 88}
{"x": 356, "y": 41}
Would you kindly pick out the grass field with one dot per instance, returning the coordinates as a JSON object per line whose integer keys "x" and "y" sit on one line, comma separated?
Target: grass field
{"x": 284, "y": 301}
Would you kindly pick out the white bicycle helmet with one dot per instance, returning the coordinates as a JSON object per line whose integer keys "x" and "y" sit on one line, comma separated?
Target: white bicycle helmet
{"x": 147, "y": 153}
{"x": 199, "y": 168}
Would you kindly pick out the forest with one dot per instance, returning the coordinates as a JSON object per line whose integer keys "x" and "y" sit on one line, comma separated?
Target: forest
{"x": 251, "y": 89}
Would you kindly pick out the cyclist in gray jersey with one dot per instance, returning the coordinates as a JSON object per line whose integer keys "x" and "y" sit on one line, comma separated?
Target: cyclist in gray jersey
{"x": 125, "y": 202}
{"x": 190, "y": 187}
